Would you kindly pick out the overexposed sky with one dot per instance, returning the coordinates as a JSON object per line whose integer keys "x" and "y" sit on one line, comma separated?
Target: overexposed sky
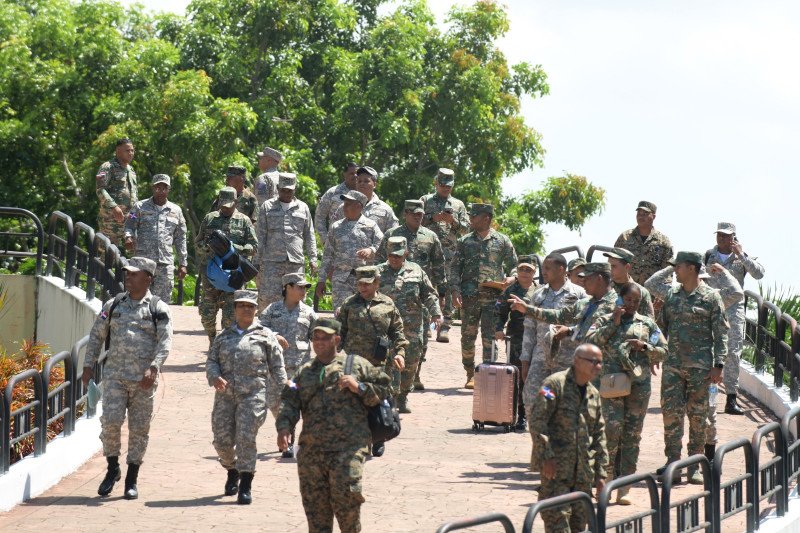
{"x": 691, "y": 105}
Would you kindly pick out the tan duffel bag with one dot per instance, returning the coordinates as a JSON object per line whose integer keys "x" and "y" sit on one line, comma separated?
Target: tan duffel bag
{"x": 615, "y": 385}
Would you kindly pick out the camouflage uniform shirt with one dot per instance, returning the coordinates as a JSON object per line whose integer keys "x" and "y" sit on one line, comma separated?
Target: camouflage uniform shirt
{"x": 491, "y": 258}
{"x": 645, "y": 304}
{"x": 448, "y": 233}
{"x": 116, "y": 185}
{"x": 246, "y": 203}
{"x": 376, "y": 210}
{"x": 155, "y": 229}
{"x": 580, "y": 315}
{"x": 344, "y": 238}
{"x": 326, "y": 206}
{"x": 410, "y": 289}
{"x": 424, "y": 249}
{"x": 284, "y": 233}
{"x": 650, "y": 255}
{"x": 612, "y": 339}
{"x": 738, "y": 266}
{"x": 266, "y": 186}
{"x": 237, "y": 227}
{"x": 359, "y": 335}
{"x": 293, "y": 325}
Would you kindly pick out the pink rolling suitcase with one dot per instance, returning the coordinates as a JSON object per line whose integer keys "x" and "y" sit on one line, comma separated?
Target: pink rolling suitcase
{"x": 493, "y": 398}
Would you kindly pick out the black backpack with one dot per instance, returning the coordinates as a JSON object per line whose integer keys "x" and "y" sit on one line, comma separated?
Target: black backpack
{"x": 155, "y": 315}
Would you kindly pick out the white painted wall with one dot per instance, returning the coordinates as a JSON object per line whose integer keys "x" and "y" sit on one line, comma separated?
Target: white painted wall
{"x": 64, "y": 314}
{"x": 16, "y": 315}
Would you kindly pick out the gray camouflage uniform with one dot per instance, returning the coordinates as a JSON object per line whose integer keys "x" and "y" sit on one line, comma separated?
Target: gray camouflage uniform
{"x": 376, "y": 210}
{"x": 266, "y": 185}
{"x": 295, "y": 326}
{"x": 326, "y": 206}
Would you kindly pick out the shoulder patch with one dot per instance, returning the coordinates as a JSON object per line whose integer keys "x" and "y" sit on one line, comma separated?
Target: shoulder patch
{"x": 547, "y": 392}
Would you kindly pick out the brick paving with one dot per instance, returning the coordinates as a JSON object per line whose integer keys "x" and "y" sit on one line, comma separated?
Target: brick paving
{"x": 437, "y": 470}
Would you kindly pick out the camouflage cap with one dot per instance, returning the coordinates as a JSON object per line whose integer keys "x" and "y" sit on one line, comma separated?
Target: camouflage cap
{"x": 622, "y": 254}
{"x": 138, "y": 263}
{"x": 575, "y": 263}
{"x": 354, "y": 196}
{"x": 396, "y": 246}
{"x": 227, "y": 197}
{"x": 367, "y": 170}
{"x": 728, "y": 228}
{"x": 235, "y": 170}
{"x": 650, "y": 207}
{"x": 161, "y": 178}
{"x": 327, "y": 325}
{"x": 687, "y": 257}
{"x": 480, "y": 209}
{"x": 287, "y": 180}
{"x": 445, "y": 176}
{"x": 271, "y": 152}
{"x": 526, "y": 260}
{"x": 296, "y": 278}
{"x": 250, "y": 297}
{"x": 367, "y": 274}
{"x": 595, "y": 268}
{"x": 415, "y": 206}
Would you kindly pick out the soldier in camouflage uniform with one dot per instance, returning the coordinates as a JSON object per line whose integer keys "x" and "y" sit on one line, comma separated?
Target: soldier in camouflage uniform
{"x": 574, "y": 269}
{"x": 407, "y": 284}
{"x": 284, "y": 231}
{"x": 351, "y": 243}
{"x": 697, "y": 329}
{"x": 152, "y": 228}
{"x": 266, "y": 185}
{"x": 729, "y": 253}
{"x": 620, "y": 261}
{"x": 513, "y": 322}
{"x": 139, "y": 344}
{"x": 482, "y": 256}
{"x": 424, "y": 249}
{"x": 240, "y": 231}
{"x": 631, "y": 343}
{"x": 116, "y": 187}
{"x": 569, "y": 441}
{"x": 537, "y": 342}
{"x": 335, "y": 435}
{"x": 246, "y": 202}
{"x": 241, "y": 360}
{"x": 447, "y": 217}
{"x": 331, "y": 200}
{"x": 375, "y": 208}
{"x": 651, "y": 248}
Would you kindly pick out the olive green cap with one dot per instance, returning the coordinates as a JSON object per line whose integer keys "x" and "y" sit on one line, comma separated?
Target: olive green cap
{"x": 622, "y": 254}
{"x": 687, "y": 257}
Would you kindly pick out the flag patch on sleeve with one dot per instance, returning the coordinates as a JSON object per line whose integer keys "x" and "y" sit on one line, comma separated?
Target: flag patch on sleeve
{"x": 548, "y": 393}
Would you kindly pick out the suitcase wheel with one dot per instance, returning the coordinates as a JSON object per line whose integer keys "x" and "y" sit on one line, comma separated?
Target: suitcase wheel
{"x": 477, "y": 427}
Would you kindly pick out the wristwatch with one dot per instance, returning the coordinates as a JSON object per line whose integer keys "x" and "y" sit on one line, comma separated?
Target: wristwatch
{"x": 362, "y": 389}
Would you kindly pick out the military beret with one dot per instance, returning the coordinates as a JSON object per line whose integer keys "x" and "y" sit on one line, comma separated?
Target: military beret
{"x": 366, "y": 274}
{"x": 480, "y": 209}
{"x": 161, "y": 178}
{"x": 396, "y": 245}
{"x": 287, "y": 180}
{"x": 227, "y": 197}
{"x": 526, "y": 260}
{"x": 596, "y": 268}
{"x": 728, "y": 228}
{"x": 622, "y": 254}
{"x": 415, "y": 206}
{"x": 328, "y": 325}
{"x": 136, "y": 264}
{"x": 271, "y": 152}
{"x": 650, "y": 207}
{"x": 687, "y": 257}
{"x": 296, "y": 278}
{"x": 575, "y": 263}
{"x": 445, "y": 176}
{"x": 250, "y": 297}
{"x": 235, "y": 170}
{"x": 354, "y": 196}
{"x": 367, "y": 170}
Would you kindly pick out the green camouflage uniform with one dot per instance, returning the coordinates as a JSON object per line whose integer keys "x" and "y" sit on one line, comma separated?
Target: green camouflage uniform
{"x": 624, "y": 416}
{"x": 240, "y": 231}
{"x": 650, "y": 255}
{"x": 115, "y": 186}
{"x": 646, "y": 302}
{"x": 246, "y": 203}
{"x": 477, "y": 260}
{"x": 246, "y": 360}
{"x": 334, "y": 439}
{"x": 135, "y": 346}
{"x": 566, "y": 425}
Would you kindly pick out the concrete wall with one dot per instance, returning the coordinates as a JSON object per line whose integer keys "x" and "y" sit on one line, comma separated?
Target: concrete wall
{"x": 16, "y": 316}
{"x": 64, "y": 314}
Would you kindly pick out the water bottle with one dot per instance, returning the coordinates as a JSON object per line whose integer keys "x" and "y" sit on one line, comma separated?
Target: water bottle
{"x": 712, "y": 394}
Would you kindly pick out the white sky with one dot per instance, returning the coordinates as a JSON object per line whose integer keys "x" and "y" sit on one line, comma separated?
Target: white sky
{"x": 691, "y": 105}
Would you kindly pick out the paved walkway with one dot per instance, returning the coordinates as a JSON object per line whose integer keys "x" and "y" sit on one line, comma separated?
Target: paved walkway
{"x": 437, "y": 470}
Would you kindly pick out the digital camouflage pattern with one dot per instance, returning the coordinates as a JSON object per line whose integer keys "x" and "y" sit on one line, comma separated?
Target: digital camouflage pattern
{"x": 376, "y": 210}
{"x": 283, "y": 236}
{"x": 266, "y": 186}
{"x": 155, "y": 230}
{"x": 424, "y": 249}
{"x": 240, "y": 231}
{"x": 115, "y": 186}
{"x": 513, "y": 321}
{"x": 252, "y": 364}
{"x": 339, "y": 257}
{"x": 333, "y": 442}
{"x": 326, "y": 206}
{"x": 651, "y": 254}
{"x": 579, "y": 315}
{"x": 135, "y": 346}
{"x": 646, "y": 302}
{"x": 246, "y": 203}
{"x": 295, "y": 326}
{"x": 624, "y": 416}
{"x": 357, "y": 316}
{"x": 412, "y": 293}
{"x": 570, "y": 429}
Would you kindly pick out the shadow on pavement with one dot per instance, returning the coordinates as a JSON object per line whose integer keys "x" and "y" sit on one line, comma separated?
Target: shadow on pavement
{"x": 195, "y": 332}
{"x": 183, "y": 369}
{"x": 83, "y": 501}
{"x": 446, "y": 392}
{"x": 193, "y": 502}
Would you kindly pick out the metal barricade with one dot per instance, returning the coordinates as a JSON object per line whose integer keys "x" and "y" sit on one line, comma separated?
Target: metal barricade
{"x": 61, "y": 400}
{"x": 60, "y": 249}
{"x": 634, "y": 523}
{"x": 6, "y": 237}
{"x": 28, "y": 419}
{"x": 560, "y": 501}
{"x": 792, "y": 444}
{"x": 739, "y": 492}
{"x": 687, "y": 510}
{"x": 785, "y": 356}
{"x": 597, "y": 248}
{"x": 771, "y": 340}
{"x": 752, "y": 330}
{"x": 478, "y": 521}
{"x": 771, "y": 473}
{"x": 84, "y": 266}
{"x": 80, "y": 390}
{"x": 567, "y": 250}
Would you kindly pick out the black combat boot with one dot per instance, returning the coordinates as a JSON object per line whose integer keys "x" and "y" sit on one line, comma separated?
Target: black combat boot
{"x": 246, "y": 483}
{"x": 131, "y": 492}
{"x": 521, "y": 424}
{"x": 112, "y": 476}
{"x": 378, "y": 448}
{"x": 732, "y": 407}
{"x": 232, "y": 483}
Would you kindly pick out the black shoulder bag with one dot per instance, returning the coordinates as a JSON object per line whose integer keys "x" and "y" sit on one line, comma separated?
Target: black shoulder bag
{"x": 383, "y": 419}
{"x": 381, "y": 348}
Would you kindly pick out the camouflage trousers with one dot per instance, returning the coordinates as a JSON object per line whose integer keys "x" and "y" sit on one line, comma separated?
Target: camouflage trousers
{"x": 330, "y": 484}
{"x": 563, "y": 519}
{"x": 448, "y": 308}
{"x": 111, "y": 228}
{"x": 235, "y": 421}
{"x": 341, "y": 288}
{"x": 211, "y": 301}
{"x": 624, "y": 421}
{"x": 684, "y": 392}
{"x": 477, "y": 311}
{"x": 163, "y": 282}
{"x": 730, "y": 374}
{"x": 270, "y": 285}
{"x": 416, "y": 335}
{"x": 119, "y": 397}
{"x": 540, "y": 368}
